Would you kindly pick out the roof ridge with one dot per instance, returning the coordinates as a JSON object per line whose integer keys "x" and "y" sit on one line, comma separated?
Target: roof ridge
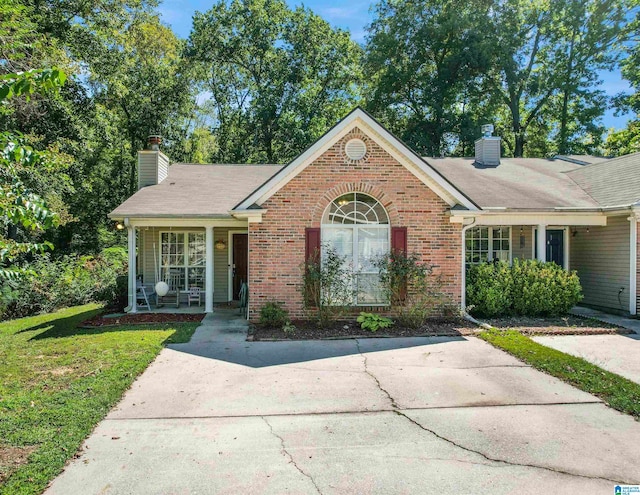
{"x": 606, "y": 161}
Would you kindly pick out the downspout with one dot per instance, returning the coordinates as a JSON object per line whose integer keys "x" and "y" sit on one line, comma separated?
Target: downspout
{"x": 463, "y": 295}
{"x": 633, "y": 263}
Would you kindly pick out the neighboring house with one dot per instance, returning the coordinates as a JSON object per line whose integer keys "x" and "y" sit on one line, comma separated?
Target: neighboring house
{"x": 361, "y": 190}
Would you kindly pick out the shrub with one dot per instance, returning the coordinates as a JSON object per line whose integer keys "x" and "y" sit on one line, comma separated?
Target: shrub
{"x": 373, "y": 322}
{"x": 413, "y": 290}
{"x": 272, "y": 314}
{"x": 328, "y": 285}
{"x": 526, "y": 288}
{"x": 490, "y": 288}
{"x": 67, "y": 281}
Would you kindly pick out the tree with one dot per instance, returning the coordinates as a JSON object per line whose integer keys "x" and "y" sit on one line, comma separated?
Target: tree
{"x": 142, "y": 81}
{"x": 627, "y": 140}
{"x": 276, "y": 78}
{"x": 18, "y": 204}
{"x": 425, "y": 63}
{"x": 549, "y": 52}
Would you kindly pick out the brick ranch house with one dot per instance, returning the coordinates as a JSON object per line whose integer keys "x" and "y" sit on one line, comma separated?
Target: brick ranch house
{"x": 362, "y": 191}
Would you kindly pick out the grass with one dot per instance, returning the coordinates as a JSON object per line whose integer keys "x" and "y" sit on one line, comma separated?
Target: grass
{"x": 616, "y": 391}
{"x": 58, "y": 381}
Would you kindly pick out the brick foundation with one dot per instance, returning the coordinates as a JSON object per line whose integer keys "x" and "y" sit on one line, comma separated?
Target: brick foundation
{"x": 277, "y": 245}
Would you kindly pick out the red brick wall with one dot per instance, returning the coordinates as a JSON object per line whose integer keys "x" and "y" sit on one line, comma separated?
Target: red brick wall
{"x": 276, "y": 246}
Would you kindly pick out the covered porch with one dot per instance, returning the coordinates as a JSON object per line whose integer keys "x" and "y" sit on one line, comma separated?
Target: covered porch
{"x": 598, "y": 245}
{"x": 203, "y": 262}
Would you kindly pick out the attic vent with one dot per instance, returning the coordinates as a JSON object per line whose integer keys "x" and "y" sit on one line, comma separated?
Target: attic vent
{"x": 355, "y": 149}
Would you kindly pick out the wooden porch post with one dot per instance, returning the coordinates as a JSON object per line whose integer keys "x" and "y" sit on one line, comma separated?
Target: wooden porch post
{"x": 541, "y": 243}
{"x": 131, "y": 237}
{"x": 208, "y": 292}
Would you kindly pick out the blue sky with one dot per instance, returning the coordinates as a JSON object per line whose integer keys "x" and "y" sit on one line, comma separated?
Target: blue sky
{"x": 354, "y": 16}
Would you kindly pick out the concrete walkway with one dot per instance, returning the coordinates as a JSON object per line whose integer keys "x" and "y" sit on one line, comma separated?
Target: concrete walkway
{"x": 621, "y": 321}
{"x": 616, "y": 353}
{"x": 415, "y": 415}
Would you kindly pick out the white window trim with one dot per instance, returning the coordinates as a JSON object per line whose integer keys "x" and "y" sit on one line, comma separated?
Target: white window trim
{"x": 356, "y": 227}
{"x": 490, "y": 252}
{"x": 185, "y": 266}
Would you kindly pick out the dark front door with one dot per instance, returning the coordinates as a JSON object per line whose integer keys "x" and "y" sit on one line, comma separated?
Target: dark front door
{"x": 555, "y": 246}
{"x": 240, "y": 259}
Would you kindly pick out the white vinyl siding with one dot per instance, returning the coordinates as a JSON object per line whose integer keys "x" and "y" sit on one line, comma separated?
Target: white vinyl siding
{"x": 601, "y": 258}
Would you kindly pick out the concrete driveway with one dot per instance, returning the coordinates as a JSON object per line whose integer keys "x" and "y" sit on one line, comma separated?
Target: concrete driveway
{"x": 422, "y": 415}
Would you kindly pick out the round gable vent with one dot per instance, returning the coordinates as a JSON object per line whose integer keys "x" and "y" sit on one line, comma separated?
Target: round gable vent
{"x": 355, "y": 149}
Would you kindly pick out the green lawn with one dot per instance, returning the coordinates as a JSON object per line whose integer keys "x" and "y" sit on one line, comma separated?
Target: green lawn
{"x": 57, "y": 381}
{"x": 614, "y": 390}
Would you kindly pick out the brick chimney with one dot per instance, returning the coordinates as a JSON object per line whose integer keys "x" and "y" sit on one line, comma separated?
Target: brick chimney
{"x": 153, "y": 164}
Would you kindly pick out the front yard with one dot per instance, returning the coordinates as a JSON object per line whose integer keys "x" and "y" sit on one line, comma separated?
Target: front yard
{"x": 58, "y": 381}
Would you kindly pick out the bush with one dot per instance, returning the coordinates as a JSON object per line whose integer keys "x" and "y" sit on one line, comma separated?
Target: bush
{"x": 328, "y": 285}
{"x": 414, "y": 291}
{"x": 373, "y": 322}
{"x": 526, "y": 288}
{"x": 272, "y": 314}
{"x": 67, "y": 281}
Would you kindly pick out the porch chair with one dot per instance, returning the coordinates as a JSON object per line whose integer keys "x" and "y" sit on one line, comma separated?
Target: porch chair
{"x": 142, "y": 300}
{"x": 172, "y": 279}
{"x": 244, "y": 299}
{"x": 194, "y": 295}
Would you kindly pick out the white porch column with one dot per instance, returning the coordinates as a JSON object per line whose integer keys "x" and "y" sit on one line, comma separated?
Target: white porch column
{"x": 541, "y": 242}
{"x": 208, "y": 291}
{"x": 131, "y": 237}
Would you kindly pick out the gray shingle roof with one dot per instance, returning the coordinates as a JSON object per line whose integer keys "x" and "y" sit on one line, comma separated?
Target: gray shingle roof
{"x": 527, "y": 183}
{"x": 615, "y": 182}
{"x": 196, "y": 190}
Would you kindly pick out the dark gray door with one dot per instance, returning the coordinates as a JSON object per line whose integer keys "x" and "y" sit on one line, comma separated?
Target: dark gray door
{"x": 555, "y": 246}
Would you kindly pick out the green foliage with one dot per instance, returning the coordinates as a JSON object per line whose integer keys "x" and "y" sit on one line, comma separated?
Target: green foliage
{"x": 67, "y": 281}
{"x": 328, "y": 284}
{"x": 373, "y": 322}
{"x": 274, "y": 315}
{"x": 278, "y": 78}
{"x": 414, "y": 291}
{"x": 30, "y": 82}
{"x": 614, "y": 390}
{"x": 289, "y": 328}
{"x": 58, "y": 381}
{"x": 490, "y": 289}
{"x": 526, "y": 288}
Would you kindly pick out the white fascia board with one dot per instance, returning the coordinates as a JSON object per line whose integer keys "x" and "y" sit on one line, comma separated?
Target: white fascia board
{"x": 251, "y": 216}
{"x": 187, "y": 222}
{"x": 359, "y": 118}
{"x": 531, "y": 218}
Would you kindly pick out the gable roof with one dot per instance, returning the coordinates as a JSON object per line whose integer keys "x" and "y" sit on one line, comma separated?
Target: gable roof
{"x": 190, "y": 191}
{"x": 519, "y": 183}
{"x": 375, "y": 131}
{"x": 615, "y": 182}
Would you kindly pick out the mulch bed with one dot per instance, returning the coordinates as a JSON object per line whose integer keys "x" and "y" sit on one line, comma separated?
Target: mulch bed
{"x": 349, "y": 329}
{"x": 141, "y": 318}
{"x": 562, "y": 325}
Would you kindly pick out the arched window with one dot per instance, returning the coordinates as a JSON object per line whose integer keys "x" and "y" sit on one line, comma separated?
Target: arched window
{"x": 356, "y": 226}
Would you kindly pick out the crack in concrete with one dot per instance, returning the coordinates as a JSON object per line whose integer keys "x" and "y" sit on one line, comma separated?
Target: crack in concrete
{"x": 394, "y": 405}
{"x": 288, "y": 454}
{"x": 397, "y": 410}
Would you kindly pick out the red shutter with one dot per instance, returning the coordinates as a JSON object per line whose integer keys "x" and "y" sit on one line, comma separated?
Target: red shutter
{"x": 399, "y": 239}
{"x": 399, "y": 246}
{"x": 311, "y": 244}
